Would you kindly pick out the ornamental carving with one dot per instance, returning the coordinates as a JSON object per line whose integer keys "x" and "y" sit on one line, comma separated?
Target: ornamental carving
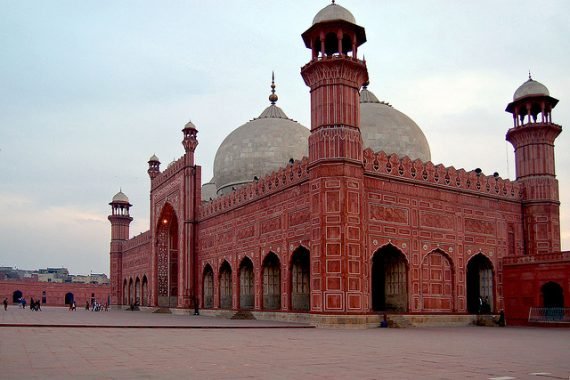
{"x": 299, "y": 217}
{"x": 433, "y": 220}
{"x": 480, "y": 226}
{"x": 388, "y": 214}
{"x": 270, "y": 225}
{"x": 246, "y": 232}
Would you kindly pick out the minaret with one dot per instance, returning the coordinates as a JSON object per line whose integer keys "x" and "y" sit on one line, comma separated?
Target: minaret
{"x": 532, "y": 136}
{"x": 120, "y": 221}
{"x": 335, "y": 76}
{"x": 190, "y": 141}
{"x": 153, "y": 167}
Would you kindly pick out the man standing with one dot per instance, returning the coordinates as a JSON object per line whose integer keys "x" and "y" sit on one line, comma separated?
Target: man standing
{"x": 5, "y": 303}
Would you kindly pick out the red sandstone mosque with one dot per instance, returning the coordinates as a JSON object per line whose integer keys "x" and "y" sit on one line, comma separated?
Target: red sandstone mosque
{"x": 348, "y": 219}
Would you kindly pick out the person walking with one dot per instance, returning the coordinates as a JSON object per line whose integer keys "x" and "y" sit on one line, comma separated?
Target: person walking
{"x": 5, "y": 303}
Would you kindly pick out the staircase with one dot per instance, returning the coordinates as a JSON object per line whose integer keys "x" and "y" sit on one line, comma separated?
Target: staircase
{"x": 243, "y": 314}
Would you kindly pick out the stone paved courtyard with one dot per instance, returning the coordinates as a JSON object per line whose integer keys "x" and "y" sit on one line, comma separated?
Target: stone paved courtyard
{"x": 175, "y": 346}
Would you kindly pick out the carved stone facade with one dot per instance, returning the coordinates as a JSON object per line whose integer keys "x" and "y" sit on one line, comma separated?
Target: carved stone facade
{"x": 345, "y": 231}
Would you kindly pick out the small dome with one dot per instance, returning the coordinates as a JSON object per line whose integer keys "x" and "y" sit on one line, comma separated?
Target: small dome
{"x": 153, "y": 158}
{"x": 531, "y": 88}
{"x": 384, "y": 128}
{"x": 189, "y": 125}
{"x": 259, "y": 147}
{"x": 120, "y": 197}
{"x": 334, "y": 12}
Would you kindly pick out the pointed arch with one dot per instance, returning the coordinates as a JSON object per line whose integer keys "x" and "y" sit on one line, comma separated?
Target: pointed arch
{"x": 437, "y": 282}
{"x": 16, "y": 295}
{"x": 300, "y": 279}
{"x": 144, "y": 291}
{"x": 480, "y": 284}
{"x": 137, "y": 299}
{"x": 225, "y": 280}
{"x": 246, "y": 284}
{"x": 131, "y": 291}
{"x": 389, "y": 279}
{"x": 167, "y": 249}
{"x": 125, "y": 293}
{"x": 271, "y": 282}
{"x": 208, "y": 287}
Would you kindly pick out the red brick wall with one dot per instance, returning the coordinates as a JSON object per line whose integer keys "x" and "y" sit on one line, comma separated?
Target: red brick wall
{"x": 55, "y": 292}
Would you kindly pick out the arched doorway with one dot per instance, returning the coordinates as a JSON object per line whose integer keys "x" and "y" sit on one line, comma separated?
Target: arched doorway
{"x": 389, "y": 280}
{"x": 226, "y": 286}
{"x": 437, "y": 283}
{"x": 300, "y": 280}
{"x": 271, "y": 282}
{"x": 131, "y": 292}
{"x": 480, "y": 285}
{"x": 68, "y": 298}
{"x": 552, "y": 295}
{"x": 137, "y": 292}
{"x": 246, "y": 284}
{"x": 208, "y": 287}
{"x": 167, "y": 257}
{"x": 144, "y": 291}
{"x": 16, "y": 296}
{"x": 125, "y": 293}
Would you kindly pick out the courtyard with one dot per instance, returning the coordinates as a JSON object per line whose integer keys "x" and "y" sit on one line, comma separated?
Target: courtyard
{"x": 57, "y": 343}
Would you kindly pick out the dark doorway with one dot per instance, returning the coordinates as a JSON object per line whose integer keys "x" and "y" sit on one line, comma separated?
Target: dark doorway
{"x": 16, "y": 296}
{"x": 300, "y": 280}
{"x": 271, "y": 282}
{"x": 68, "y": 298}
{"x": 552, "y": 295}
{"x": 226, "y": 286}
{"x": 389, "y": 280}
{"x": 246, "y": 292}
{"x": 208, "y": 288}
{"x": 480, "y": 285}
{"x": 167, "y": 258}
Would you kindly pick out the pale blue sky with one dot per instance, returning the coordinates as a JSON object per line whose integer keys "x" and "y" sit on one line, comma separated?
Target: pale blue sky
{"x": 89, "y": 90}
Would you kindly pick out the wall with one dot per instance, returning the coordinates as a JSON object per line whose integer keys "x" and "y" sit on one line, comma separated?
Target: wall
{"x": 55, "y": 292}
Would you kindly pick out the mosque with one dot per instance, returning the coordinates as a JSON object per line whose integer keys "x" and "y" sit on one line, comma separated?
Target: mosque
{"x": 347, "y": 219}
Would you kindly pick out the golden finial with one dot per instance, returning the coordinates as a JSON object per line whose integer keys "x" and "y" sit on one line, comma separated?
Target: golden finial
{"x": 273, "y": 97}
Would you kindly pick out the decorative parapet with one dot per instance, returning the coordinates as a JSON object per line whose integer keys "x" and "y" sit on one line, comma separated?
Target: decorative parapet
{"x": 137, "y": 241}
{"x": 538, "y": 259}
{"x": 380, "y": 164}
{"x": 290, "y": 175}
{"x": 173, "y": 168}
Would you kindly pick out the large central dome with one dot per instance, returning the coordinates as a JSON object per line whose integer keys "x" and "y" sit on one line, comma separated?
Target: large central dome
{"x": 385, "y": 128}
{"x": 259, "y": 147}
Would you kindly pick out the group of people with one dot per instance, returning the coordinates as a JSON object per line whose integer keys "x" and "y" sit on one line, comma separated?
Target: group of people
{"x": 484, "y": 305}
{"x": 96, "y": 306}
{"x": 35, "y": 305}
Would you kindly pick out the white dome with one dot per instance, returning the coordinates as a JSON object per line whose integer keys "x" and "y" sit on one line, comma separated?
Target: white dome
{"x": 334, "y": 12}
{"x": 259, "y": 147}
{"x": 531, "y": 88}
{"x": 208, "y": 191}
{"x": 384, "y": 128}
{"x": 120, "y": 197}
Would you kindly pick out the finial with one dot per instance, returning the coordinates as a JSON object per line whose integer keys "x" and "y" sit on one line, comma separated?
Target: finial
{"x": 273, "y": 97}
{"x": 365, "y": 85}
{"x": 333, "y": 2}
{"x": 529, "y": 76}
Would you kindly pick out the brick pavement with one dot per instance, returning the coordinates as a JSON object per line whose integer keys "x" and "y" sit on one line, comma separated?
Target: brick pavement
{"x": 423, "y": 353}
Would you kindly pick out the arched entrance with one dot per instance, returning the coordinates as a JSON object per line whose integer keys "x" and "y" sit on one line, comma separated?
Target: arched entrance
{"x": 300, "y": 280}
{"x": 226, "y": 286}
{"x": 125, "y": 293}
{"x": 437, "y": 283}
{"x": 131, "y": 292}
{"x": 68, "y": 298}
{"x": 167, "y": 257}
{"x": 246, "y": 292}
{"x": 480, "y": 285}
{"x": 137, "y": 292}
{"x": 389, "y": 280}
{"x": 144, "y": 291}
{"x": 552, "y": 295}
{"x": 16, "y": 296}
{"x": 271, "y": 282}
{"x": 208, "y": 287}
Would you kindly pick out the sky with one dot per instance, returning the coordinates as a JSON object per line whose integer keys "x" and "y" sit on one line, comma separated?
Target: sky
{"x": 89, "y": 90}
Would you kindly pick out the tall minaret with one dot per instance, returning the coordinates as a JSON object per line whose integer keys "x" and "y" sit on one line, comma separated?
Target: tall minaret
{"x": 335, "y": 76}
{"x": 532, "y": 136}
{"x": 120, "y": 221}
